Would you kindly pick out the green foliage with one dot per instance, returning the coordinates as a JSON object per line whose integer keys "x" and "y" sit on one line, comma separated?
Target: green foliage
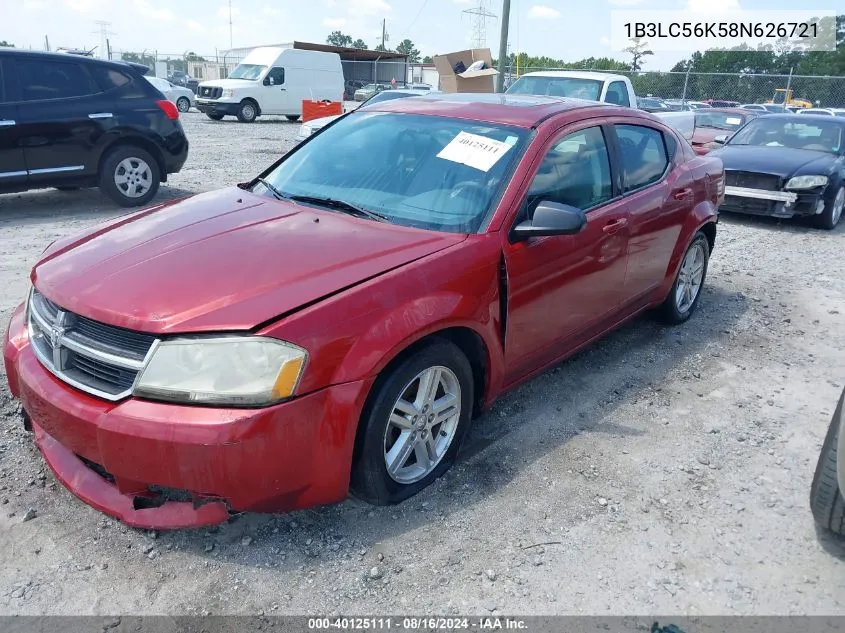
{"x": 4, "y": 43}
{"x": 406, "y": 47}
{"x": 360, "y": 44}
{"x": 337, "y": 38}
{"x": 638, "y": 49}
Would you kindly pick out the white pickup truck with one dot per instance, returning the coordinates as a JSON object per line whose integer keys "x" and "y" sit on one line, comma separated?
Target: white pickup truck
{"x": 594, "y": 86}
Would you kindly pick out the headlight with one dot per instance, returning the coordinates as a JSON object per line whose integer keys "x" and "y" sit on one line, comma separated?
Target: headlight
{"x": 226, "y": 370}
{"x": 806, "y": 182}
{"x": 228, "y": 93}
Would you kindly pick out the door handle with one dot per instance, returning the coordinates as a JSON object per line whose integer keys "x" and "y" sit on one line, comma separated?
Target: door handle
{"x": 683, "y": 194}
{"x": 6, "y": 123}
{"x": 614, "y": 225}
{"x": 100, "y": 115}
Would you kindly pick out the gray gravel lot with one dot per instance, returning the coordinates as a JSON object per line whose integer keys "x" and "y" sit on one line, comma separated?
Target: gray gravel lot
{"x": 664, "y": 470}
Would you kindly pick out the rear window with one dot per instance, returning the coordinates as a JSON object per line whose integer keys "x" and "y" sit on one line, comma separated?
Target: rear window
{"x": 108, "y": 78}
{"x": 46, "y": 79}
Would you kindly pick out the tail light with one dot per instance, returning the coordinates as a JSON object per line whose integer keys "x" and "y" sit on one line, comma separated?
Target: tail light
{"x": 169, "y": 108}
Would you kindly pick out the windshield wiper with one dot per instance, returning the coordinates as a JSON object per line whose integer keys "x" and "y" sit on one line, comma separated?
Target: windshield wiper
{"x": 276, "y": 193}
{"x": 341, "y": 205}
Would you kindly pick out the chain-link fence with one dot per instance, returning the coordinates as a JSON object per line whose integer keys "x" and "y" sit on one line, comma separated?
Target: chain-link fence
{"x": 742, "y": 88}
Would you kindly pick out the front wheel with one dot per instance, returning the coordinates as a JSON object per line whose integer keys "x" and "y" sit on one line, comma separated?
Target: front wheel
{"x": 413, "y": 424}
{"x": 248, "y": 112}
{"x": 130, "y": 176}
{"x": 826, "y": 501}
{"x": 215, "y": 117}
{"x": 183, "y": 104}
{"x": 686, "y": 291}
{"x": 832, "y": 213}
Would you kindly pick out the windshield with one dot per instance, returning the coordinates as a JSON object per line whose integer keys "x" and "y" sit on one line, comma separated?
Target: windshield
{"x": 774, "y": 131}
{"x": 719, "y": 120}
{"x": 426, "y": 172}
{"x": 247, "y": 71}
{"x": 388, "y": 95}
{"x": 557, "y": 87}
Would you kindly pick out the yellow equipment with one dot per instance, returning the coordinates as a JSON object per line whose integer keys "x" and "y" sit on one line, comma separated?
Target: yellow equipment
{"x": 783, "y": 96}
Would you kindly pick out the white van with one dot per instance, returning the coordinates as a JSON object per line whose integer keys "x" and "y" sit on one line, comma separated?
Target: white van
{"x": 273, "y": 80}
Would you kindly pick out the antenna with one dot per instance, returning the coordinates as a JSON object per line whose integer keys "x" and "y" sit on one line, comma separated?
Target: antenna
{"x": 104, "y": 33}
{"x": 480, "y": 15}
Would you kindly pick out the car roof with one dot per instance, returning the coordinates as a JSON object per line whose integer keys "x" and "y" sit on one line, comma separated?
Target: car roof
{"x": 506, "y": 109}
{"x": 798, "y": 118}
{"x": 731, "y": 110}
{"x": 63, "y": 57}
{"x": 577, "y": 74}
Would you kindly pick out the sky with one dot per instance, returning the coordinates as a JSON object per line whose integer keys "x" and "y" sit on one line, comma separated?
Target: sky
{"x": 562, "y": 29}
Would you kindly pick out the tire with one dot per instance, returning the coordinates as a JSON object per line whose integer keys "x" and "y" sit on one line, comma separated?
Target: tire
{"x": 293, "y": 118}
{"x": 826, "y": 500}
{"x": 248, "y": 111}
{"x": 676, "y": 309}
{"x": 832, "y": 214}
{"x": 130, "y": 176}
{"x": 183, "y": 104}
{"x": 215, "y": 117}
{"x": 379, "y": 436}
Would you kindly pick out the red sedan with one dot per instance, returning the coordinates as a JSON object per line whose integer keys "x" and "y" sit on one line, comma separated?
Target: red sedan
{"x": 711, "y": 123}
{"x": 336, "y": 323}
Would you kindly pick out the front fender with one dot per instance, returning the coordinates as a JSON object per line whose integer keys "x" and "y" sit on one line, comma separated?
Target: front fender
{"x": 355, "y": 334}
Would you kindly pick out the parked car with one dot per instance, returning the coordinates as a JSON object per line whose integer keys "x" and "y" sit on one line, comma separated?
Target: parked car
{"x": 713, "y": 122}
{"x": 182, "y": 97}
{"x": 365, "y": 92}
{"x": 824, "y": 111}
{"x": 69, "y": 121}
{"x": 371, "y": 307}
{"x": 680, "y": 104}
{"x": 594, "y": 86}
{"x": 312, "y": 127}
{"x": 421, "y": 86}
{"x": 653, "y": 104}
{"x": 786, "y": 165}
{"x": 721, "y": 103}
{"x": 273, "y": 81}
{"x": 826, "y": 498}
{"x": 759, "y": 107}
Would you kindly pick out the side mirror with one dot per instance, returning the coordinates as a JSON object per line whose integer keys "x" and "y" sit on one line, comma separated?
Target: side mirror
{"x": 551, "y": 218}
{"x": 721, "y": 139}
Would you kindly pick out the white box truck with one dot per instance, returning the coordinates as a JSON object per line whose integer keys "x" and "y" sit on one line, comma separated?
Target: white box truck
{"x": 273, "y": 81}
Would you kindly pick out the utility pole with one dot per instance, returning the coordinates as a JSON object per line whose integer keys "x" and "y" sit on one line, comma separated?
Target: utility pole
{"x": 231, "y": 39}
{"x": 384, "y": 34}
{"x": 104, "y": 33}
{"x": 46, "y": 43}
{"x": 503, "y": 46}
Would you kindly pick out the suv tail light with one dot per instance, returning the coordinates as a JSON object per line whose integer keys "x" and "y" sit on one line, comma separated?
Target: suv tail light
{"x": 169, "y": 109}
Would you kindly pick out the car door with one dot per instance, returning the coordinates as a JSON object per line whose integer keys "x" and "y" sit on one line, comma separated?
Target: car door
{"x": 60, "y": 117}
{"x": 658, "y": 195}
{"x": 561, "y": 289}
{"x": 275, "y": 98}
{"x": 12, "y": 164}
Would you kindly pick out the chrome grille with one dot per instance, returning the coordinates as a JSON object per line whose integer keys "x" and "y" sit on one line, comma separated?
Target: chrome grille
{"x": 101, "y": 359}
{"x": 210, "y": 92}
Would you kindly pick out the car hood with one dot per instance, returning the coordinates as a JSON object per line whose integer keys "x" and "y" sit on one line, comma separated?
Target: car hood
{"x": 780, "y": 161}
{"x": 224, "y": 260}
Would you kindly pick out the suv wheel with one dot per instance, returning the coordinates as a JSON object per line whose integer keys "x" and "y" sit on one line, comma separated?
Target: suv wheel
{"x": 215, "y": 117}
{"x": 248, "y": 111}
{"x": 130, "y": 176}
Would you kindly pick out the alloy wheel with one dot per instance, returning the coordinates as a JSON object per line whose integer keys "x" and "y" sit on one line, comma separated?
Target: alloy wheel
{"x": 690, "y": 278}
{"x": 838, "y": 205}
{"x": 133, "y": 177}
{"x": 422, "y": 424}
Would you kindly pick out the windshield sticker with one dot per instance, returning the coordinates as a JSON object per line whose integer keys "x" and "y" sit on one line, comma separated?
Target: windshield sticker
{"x": 732, "y": 120}
{"x": 478, "y": 152}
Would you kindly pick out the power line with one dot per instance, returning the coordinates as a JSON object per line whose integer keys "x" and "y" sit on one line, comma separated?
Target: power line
{"x": 480, "y": 15}
{"x": 414, "y": 21}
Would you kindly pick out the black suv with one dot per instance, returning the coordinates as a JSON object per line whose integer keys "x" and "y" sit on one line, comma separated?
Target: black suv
{"x": 69, "y": 122}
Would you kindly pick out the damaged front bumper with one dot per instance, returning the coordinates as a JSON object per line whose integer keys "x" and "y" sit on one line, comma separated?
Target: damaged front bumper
{"x": 778, "y": 204}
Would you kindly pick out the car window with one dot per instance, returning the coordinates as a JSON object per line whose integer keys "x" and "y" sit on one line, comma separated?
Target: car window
{"x": 617, "y": 94}
{"x": 798, "y": 133}
{"x": 576, "y": 171}
{"x": 42, "y": 80}
{"x": 428, "y": 172}
{"x": 643, "y": 155}
{"x": 574, "y": 87}
{"x": 276, "y": 76}
{"x": 108, "y": 78}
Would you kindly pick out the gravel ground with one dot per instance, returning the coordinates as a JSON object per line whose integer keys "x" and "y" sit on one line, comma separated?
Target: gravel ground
{"x": 664, "y": 470}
